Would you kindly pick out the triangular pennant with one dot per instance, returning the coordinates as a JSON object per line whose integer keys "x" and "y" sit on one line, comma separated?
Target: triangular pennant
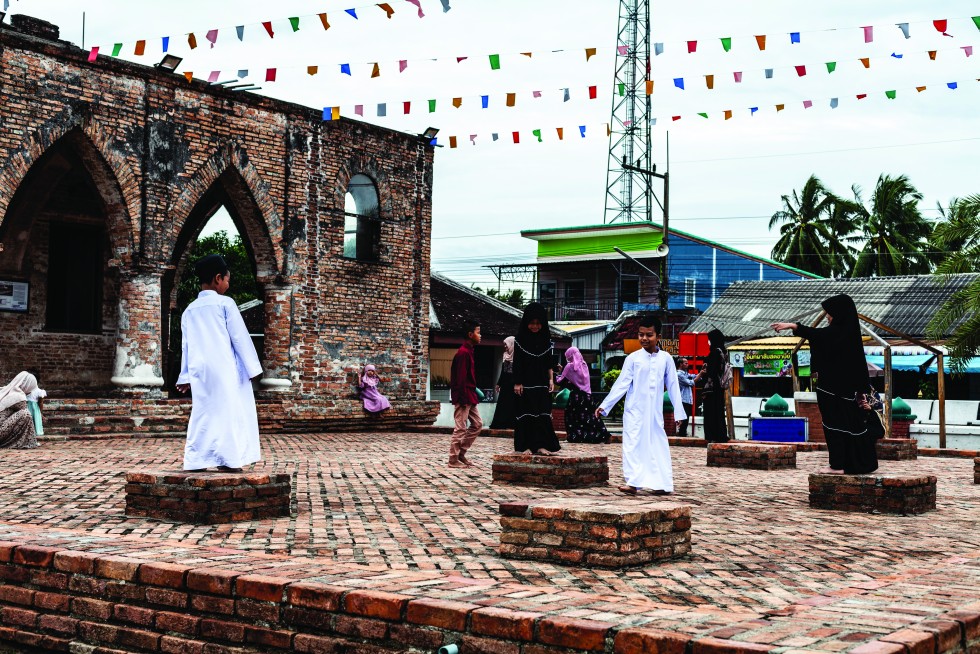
{"x": 213, "y": 77}
{"x": 794, "y": 37}
{"x": 658, "y": 49}
{"x": 675, "y": 118}
{"x": 166, "y": 43}
{"x": 869, "y": 35}
{"x": 359, "y": 109}
{"x": 117, "y": 48}
{"x": 242, "y": 73}
{"x": 345, "y": 69}
{"x": 780, "y": 107}
{"x": 703, "y": 115}
{"x": 141, "y": 48}
{"x": 189, "y": 76}
{"x": 761, "y": 41}
{"x": 93, "y": 54}
{"x": 940, "y": 26}
{"x": 752, "y": 110}
{"x": 567, "y": 97}
{"x": 738, "y": 77}
{"x": 623, "y": 49}
{"x": 432, "y": 106}
{"x": 728, "y": 114}
{"x": 905, "y": 28}
{"x": 528, "y": 54}
{"x": 831, "y": 66}
{"x": 457, "y": 102}
{"x": 589, "y": 53}
{"x": 459, "y": 59}
{"x": 268, "y": 28}
{"x": 407, "y": 107}
{"x": 932, "y": 55}
{"x": 418, "y": 4}
{"x": 951, "y": 85}
{"x": 920, "y": 89}
{"x": 323, "y": 21}
{"x": 270, "y": 74}
{"x": 537, "y": 132}
{"x": 495, "y": 136}
{"x": 800, "y": 71}
{"x": 561, "y": 133}
{"x": 495, "y": 62}
{"x": 833, "y": 103}
{"x": 866, "y": 62}
{"x": 890, "y": 95}
{"x": 375, "y": 71}
{"x": 240, "y": 31}
{"x": 351, "y": 12}
{"x": 726, "y": 43}
{"x": 473, "y": 139}
{"x": 382, "y": 109}
{"x": 536, "y": 94}
{"x": 312, "y": 70}
{"x": 389, "y": 11}
{"x": 212, "y": 36}
{"x": 976, "y": 21}
{"x": 709, "y": 80}
{"x": 191, "y": 41}
{"x": 862, "y": 96}
{"x": 402, "y": 65}
{"x": 608, "y": 129}
{"x": 511, "y": 99}
{"x": 967, "y": 49}
{"x": 692, "y": 46}
{"x": 294, "y": 23}
{"x": 581, "y": 129}
{"x": 679, "y": 82}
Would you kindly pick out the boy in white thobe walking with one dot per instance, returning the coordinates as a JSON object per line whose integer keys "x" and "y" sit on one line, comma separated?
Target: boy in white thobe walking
{"x": 218, "y": 363}
{"x": 645, "y": 374}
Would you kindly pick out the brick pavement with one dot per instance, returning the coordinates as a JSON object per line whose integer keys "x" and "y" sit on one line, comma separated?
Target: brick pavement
{"x": 762, "y": 563}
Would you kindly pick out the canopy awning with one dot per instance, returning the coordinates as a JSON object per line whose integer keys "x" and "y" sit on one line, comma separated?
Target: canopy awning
{"x": 972, "y": 366}
{"x": 909, "y": 362}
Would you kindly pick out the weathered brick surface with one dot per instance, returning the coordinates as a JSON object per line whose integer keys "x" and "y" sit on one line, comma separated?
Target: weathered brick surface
{"x": 755, "y": 456}
{"x": 550, "y": 471}
{"x": 897, "y": 449}
{"x": 976, "y": 470}
{"x": 207, "y": 497}
{"x": 900, "y": 428}
{"x": 586, "y": 532}
{"x": 160, "y": 152}
{"x": 882, "y": 493}
{"x": 808, "y": 409}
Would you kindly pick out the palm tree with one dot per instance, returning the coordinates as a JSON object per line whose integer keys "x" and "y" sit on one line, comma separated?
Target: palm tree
{"x": 958, "y": 238}
{"x": 844, "y": 219}
{"x": 895, "y": 233}
{"x": 805, "y": 234}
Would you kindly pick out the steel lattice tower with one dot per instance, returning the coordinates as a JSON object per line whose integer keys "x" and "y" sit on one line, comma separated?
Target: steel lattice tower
{"x": 629, "y": 195}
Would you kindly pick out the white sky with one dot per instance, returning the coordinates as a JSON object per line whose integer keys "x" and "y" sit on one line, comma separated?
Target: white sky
{"x": 726, "y": 176}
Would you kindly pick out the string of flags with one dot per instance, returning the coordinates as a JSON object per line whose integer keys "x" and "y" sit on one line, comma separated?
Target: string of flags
{"x": 604, "y": 129}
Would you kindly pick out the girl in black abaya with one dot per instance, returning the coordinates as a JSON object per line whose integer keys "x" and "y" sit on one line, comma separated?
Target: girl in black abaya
{"x": 837, "y": 356}
{"x": 714, "y": 422}
{"x": 534, "y": 381}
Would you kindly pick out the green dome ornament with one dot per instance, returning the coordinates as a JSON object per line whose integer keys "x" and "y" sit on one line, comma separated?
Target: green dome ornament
{"x": 776, "y": 407}
{"x": 668, "y": 405}
{"x": 901, "y": 410}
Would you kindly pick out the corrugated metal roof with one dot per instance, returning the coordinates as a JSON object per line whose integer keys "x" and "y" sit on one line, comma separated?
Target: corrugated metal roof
{"x": 905, "y": 304}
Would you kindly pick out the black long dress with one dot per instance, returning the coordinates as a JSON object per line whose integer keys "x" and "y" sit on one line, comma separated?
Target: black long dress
{"x": 581, "y": 425}
{"x": 714, "y": 422}
{"x": 837, "y": 356}
{"x": 532, "y": 369}
{"x": 503, "y": 414}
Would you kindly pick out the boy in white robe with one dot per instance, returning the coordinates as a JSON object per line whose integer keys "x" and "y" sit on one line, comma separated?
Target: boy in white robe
{"x": 645, "y": 374}
{"x": 218, "y": 363}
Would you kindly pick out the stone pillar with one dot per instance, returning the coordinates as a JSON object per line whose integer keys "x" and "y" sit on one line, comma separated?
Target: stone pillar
{"x": 277, "y": 302}
{"x": 138, "y": 336}
{"x": 806, "y": 407}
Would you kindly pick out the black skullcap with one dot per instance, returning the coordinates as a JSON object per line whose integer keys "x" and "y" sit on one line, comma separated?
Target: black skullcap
{"x": 207, "y": 267}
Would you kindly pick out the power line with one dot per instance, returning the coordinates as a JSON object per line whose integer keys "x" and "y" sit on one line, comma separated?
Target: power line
{"x": 798, "y": 154}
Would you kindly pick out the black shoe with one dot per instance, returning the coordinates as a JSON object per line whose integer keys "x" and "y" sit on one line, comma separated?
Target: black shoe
{"x": 227, "y": 469}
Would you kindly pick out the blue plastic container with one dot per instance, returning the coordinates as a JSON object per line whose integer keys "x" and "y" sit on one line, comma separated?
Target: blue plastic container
{"x": 779, "y": 430}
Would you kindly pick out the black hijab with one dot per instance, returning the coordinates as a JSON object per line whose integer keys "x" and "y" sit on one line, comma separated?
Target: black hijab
{"x": 534, "y": 343}
{"x": 718, "y": 355}
{"x": 839, "y": 358}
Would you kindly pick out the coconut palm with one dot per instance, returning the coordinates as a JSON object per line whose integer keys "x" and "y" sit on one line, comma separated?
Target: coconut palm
{"x": 895, "y": 233}
{"x": 843, "y": 220}
{"x": 805, "y": 233}
{"x": 958, "y": 237}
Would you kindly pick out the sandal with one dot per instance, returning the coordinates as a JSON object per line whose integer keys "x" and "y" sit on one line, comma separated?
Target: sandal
{"x": 629, "y": 490}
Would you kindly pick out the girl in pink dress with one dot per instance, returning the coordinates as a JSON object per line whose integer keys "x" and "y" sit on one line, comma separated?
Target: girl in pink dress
{"x": 374, "y": 401}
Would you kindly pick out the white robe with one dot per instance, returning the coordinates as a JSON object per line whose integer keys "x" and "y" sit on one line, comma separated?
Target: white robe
{"x": 218, "y": 362}
{"x": 646, "y": 452}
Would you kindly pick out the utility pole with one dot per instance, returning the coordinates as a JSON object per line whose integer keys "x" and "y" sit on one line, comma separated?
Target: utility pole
{"x": 665, "y": 208}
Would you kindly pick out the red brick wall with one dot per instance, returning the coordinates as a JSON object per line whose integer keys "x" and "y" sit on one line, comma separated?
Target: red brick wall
{"x": 154, "y": 145}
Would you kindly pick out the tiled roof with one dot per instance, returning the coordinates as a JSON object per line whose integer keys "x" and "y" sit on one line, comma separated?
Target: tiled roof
{"x": 905, "y": 304}
{"x": 455, "y": 304}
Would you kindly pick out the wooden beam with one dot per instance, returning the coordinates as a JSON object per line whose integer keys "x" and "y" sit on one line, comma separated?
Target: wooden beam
{"x": 942, "y": 400}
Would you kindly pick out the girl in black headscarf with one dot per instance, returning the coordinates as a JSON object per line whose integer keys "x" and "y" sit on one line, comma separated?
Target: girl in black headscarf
{"x": 837, "y": 357}
{"x": 534, "y": 380}
{"x": 714, "y": 423}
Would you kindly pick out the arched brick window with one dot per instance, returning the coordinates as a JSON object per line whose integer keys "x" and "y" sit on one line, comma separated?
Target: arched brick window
{"x": 362, "y": 223}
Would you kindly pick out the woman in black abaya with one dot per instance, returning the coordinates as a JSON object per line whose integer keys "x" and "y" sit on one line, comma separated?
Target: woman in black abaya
{"x": 837, "y": 356}
{"x": 534, "y": 380}
{"x": 714, "y": 422}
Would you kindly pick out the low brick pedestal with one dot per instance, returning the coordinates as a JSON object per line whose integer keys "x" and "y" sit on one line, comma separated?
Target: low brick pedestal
{"x": 901, "y": 494}
{"x": 551, "y": 471}
{"x": 751, "y": 455}
{"x": 207, "y": 497}
{"x": 897, "y": 449}
{"x": 670, "y": 425}
{"x": 900, "y": 428}
{"x": 595, "y": 532}
{"x": 806, "y": 407}
{"x": 558, "y": 419}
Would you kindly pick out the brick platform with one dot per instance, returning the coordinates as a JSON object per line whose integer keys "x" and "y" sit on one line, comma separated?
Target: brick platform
{"x": 551, "y": 471}
{"x": 897, "y": 449}
{"x": 207, "y": 497}
{"x": 751, "y": 455}
{"x": 901, "y": 494}
{"x": 595, "y": 532}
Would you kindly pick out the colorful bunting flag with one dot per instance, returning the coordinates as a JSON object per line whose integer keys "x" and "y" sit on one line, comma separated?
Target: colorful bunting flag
{"x": 968, "y": 49}
{"x": 375, "y": 71}
{"x": 335, "y": 113}
{"x": 807, "y": 104}
{"x": 268, "y": 28}
{"x": 905, "y": 29}
{"x": 868, "y": 34}
{"x": 709, "y": 80}
{"x": 270, "y": 74}
{"x": 385, "y": 7}
{"x": 495, "y": 136}
{"x": 649, "y": 87}
{"x": 294, "y": 23}
{"x": 703, "y": 115}
{"x": 473, "y": 139}
{"x": 623, "y": 50}
{"x": 976, "y": 21}
{"x": 761, "y": 41}
{"x": 675, "y": 118}
{"x": 890, "y": 95}
{"x": 213, "y": 77}
{"x": 833, "y": 103}
{"x": 692, "y": 46}
{"x": 768, "y": 73}
{"x": 862, "y": 96}
{"x": 345, "y": 69}
{"x": 561, "y": 133}
{"x": 485, "y": 100}
{"x": 567, "y": 97}
{"x": 537, "y": 132}
{"x": 728, "y": 114}
{"x": 831, "y": 66}
{"x": 117, "y": 48}
{"x": 312, "y": 70}
{"x": 658, "y": 49}
{"x": 189, "y": 76}
{"x": 457, "y": 102}
{"x": 461, "y": 59}
{"x": 240, "y": 30}
{"x": 528, "y": 54}
{"x": 951, "y": 85}
{"x": 752, "y": 110}
{"x": 141, "y": 48}
{"x": 794, "y": 37}
{"x": 866, "y": 62}
{"x": 897, "y": 56}
{"x": 593, "y": 92}
{"x": 407, "y": 107}
{"x": 452, "y": 141}
{"x": 589, "y": 53}
{"x": 323, "y": 21}
{"x": 726, "y": 43}
{"x": 327, "y": 113}
{"x": 780, "y": 107}
{"x": 800, "y": 71}
{"x": 517, "y": 137}
{"x": 166, "y": 43}
{"x": 920, "y": 89}
{"x": 382, "y": 109}
{"x": 242, "y": 72}
{"x": 932, "y": 55}
{"x": 940, "y": 26}
{"x": 738, "y": 77}
{"x": 432, "y": 106}
{"x": 622, "y": 89}
{"x": 359, "y": 109}
{"x": 536, "y": 94}
{"x": 581, "y": 129}
{"x": 511, "y": 99}
{"x": 212, "y": 36}
{"x": 418, "y": 4}
{"x": 352, "y": 13}
{"x": 679, "y": 82}
{"x": 495, "y": 62}
{"x": 93, "y": 53}
{"x": 402, "y": 65}
{"x": 191, "y": 41}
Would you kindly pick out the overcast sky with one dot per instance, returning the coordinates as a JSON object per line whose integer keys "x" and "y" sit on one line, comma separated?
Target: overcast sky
{"x": 727, "y": 176}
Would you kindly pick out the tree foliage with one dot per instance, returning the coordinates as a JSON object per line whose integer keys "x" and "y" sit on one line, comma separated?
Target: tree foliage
{"x": 243, "y": 285}
{"x": 895, "y": 233}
